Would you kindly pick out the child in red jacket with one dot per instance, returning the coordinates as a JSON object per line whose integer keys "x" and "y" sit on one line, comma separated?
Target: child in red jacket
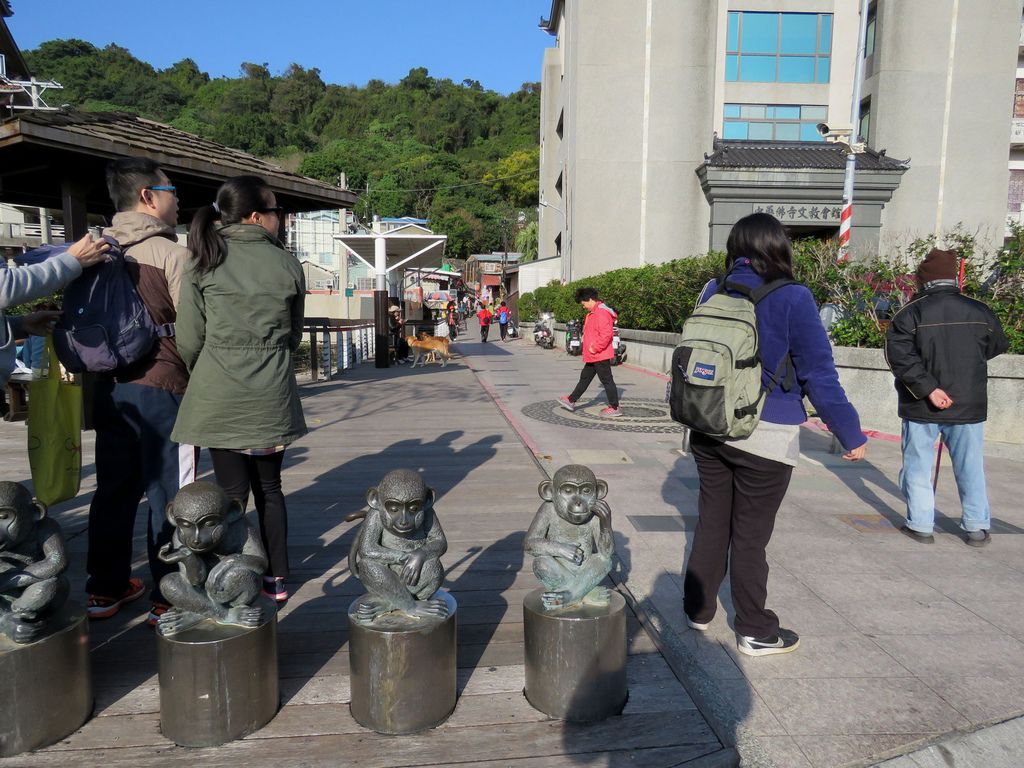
{"x": 597, "y": 352}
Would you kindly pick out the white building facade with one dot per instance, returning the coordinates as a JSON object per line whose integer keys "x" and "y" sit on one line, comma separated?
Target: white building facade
{"x": 639, "y": 96}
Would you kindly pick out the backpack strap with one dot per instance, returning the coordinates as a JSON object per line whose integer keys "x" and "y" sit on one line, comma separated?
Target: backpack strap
{"x": 165, "y": 331}
{"x": 763, "y": 290}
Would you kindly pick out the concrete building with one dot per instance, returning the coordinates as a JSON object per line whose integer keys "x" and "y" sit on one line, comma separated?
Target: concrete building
{"x": 648, "y": 107}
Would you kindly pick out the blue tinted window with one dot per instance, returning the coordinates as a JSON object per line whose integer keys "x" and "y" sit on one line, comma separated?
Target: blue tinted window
{"x": 760, "y": 33}
{"x": 758, "y": 69}
{"x": 809, "y": 132}
{"x": 795, "y": 69}
{"x": 779, "y": 122}
{"x": 735, "y": 131}
{"x": 787, "y": 132}
{"x": 796, "y": 41}
{"x": 825, "y": 45}
{"x": 824, "y": 69}
{"x": 799, "y": 33}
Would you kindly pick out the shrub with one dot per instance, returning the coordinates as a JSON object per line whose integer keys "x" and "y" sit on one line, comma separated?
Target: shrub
{"x": 865, "y": 294}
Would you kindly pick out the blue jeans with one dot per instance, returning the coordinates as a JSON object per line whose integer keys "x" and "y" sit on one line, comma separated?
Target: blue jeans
{"x": 965, "y": 443}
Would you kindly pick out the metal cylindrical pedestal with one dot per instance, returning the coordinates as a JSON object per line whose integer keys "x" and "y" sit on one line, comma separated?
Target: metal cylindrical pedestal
{"x": 576, "y": 659}
{"x": 403, "y": 680}
{"x": 218, "y": 683}
{"x": 45, "y": 686}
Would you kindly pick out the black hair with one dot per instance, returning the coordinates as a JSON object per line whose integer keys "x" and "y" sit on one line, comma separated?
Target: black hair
{"x": 127, "y": 177}
{"x": 762, "y": 239}
{"x": 586, "y": 293}
{"x": 237, "y": 199}
{"x": 504, "y": 304}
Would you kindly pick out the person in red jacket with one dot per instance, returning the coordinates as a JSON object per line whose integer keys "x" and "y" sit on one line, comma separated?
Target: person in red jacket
{"x": 484, "y": 315}
{"x": 597, "y": 352}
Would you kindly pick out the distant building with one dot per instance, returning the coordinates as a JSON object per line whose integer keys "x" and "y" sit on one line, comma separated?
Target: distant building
{"x": 665, "y": 121}
{"x": 484, "y": 271}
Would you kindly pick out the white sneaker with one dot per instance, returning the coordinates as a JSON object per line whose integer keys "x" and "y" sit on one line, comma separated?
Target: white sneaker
{"x": 697, "y": 625}
{"x": 786, "y": 641}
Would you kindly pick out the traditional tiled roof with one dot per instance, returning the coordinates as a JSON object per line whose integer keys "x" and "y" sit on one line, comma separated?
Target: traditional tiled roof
{"x": 105, "y": 135}
{"x": 811, "y": 155}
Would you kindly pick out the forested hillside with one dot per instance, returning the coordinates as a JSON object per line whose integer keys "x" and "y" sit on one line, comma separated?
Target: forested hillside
{"x": 464, "y": 157}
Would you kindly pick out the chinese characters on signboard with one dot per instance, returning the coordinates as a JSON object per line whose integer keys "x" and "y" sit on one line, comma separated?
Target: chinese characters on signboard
{"x": 802, "y": 213}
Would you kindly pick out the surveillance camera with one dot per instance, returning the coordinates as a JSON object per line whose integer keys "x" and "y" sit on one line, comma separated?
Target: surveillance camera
{"x": 822, "y": 129}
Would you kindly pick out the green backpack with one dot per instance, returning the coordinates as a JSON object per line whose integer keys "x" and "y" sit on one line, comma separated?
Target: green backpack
{"x": 716, "y": 369}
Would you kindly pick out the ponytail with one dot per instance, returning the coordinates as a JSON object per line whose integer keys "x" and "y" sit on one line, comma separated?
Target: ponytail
{"x": 204, "y": 241}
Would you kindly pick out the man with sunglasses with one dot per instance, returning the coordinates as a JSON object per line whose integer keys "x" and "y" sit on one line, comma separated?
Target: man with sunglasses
{"x": 135, "y": 407}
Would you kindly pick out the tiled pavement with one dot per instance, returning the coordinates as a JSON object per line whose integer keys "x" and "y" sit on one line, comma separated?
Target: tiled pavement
{"x": 901, "y": 642}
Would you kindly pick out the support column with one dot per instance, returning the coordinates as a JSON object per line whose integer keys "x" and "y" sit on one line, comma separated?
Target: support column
{"x": 380, "y": 302}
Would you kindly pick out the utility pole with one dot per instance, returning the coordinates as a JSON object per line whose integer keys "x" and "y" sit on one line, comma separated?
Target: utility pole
{"x": 846, "y": 221}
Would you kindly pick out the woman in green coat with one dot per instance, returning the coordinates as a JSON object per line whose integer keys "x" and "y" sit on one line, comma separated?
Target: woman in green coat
{"x": 239, "y": 324}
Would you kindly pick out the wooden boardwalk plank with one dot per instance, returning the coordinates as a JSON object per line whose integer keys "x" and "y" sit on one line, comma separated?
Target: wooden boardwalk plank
{"x": 486, "y": 486}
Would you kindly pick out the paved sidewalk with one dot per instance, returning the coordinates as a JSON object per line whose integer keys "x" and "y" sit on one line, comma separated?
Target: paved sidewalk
{"x": 902, "y": 643}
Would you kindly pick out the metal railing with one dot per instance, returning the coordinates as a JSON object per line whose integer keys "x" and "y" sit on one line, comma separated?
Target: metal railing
{"x": 338, "y": 345}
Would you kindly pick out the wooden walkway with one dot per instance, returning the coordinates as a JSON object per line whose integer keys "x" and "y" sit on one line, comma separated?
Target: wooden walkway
{"x": 443, "y": 423}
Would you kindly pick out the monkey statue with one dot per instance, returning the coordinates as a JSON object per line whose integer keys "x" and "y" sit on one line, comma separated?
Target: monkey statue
{"x": 570, "y": 538}
{"x": 33, "y": 559}
{"x": 220, "y": 562}
{"x": 397, "y": 552}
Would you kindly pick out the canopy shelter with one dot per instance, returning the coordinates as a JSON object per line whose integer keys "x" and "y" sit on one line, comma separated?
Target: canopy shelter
{"x": 57, "y": 159}
{"x": 409, "y": 247}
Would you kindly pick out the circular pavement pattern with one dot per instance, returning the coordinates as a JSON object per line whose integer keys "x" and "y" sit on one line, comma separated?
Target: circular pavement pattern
{"x": 637, "y": 416}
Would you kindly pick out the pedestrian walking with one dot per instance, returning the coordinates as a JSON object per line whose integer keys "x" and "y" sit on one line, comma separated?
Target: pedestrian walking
{"x": 938, "y": 347}
{"x": 503, "y": 317}
{"x": 598, "y": 331}
{"x": 239, "y": 326}
{"x": 135, "y": 407}
{"x": 484, "y": 315}
{"x": 452, "y": 318}
{"x": 743, "y": 481}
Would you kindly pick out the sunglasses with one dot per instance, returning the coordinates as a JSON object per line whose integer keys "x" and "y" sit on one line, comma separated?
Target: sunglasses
{"x": 278, "y": 209}
{"x": 164, "y": 188}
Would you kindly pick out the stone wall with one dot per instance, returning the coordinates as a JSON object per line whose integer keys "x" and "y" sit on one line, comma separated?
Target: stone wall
{"x": 869, "y": 384}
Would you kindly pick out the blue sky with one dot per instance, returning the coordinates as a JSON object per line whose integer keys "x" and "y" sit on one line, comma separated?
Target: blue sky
{"x": 494, "y": 41}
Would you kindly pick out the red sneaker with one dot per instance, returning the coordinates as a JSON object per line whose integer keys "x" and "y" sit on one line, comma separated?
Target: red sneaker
{"x": 612, "y": 412}
{"x": 100, "y": 607}
{"x": 274, "y": 588}
{"x": 566, "y": 403}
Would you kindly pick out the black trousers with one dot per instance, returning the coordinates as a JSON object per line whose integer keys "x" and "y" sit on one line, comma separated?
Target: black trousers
{"x": 483, "y": 332}
{"x": 503, "y": 327}
{"x": 603, "y": 370}
{"x": 740, "y": 494}
{"x": 237, "y": 473}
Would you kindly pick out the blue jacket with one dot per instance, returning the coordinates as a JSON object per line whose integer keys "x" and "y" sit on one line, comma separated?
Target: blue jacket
{"x": 787, "y": 321}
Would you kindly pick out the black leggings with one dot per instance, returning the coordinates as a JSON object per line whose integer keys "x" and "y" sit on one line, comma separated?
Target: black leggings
{"x": 236, "y": 474}
{"x": 603, "y": 370}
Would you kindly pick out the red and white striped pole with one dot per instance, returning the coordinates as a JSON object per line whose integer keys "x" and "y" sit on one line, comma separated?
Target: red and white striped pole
{"x": 846, "y": 221}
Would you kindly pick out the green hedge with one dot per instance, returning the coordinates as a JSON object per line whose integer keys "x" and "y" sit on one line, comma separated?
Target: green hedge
{"x": 660, "y": 297}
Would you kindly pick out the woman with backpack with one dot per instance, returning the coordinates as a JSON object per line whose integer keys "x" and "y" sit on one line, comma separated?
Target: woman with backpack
{"x": 743, "y": 481}
{"x": 503, "y": 317}
{"x": 239, "y": 325}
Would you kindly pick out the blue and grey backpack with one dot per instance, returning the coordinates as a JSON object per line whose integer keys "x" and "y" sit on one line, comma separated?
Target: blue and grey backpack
{"x": 105, "y": 324}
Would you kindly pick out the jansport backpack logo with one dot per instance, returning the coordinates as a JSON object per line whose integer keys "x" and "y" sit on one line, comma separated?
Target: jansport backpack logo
{"x": 105, "y": 325}
{"x": 716, "y": 369}
{"x": 704, "y": 371}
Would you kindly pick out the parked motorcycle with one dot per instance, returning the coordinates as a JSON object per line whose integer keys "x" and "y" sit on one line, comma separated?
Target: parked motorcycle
{"x": 618, "y": 346}
{"x": 574, "y": 338}
{"x": 543, "y": 331}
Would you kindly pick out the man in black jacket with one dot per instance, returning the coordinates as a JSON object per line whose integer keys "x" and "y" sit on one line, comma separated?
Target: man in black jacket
{"x": 938, "y": 347}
